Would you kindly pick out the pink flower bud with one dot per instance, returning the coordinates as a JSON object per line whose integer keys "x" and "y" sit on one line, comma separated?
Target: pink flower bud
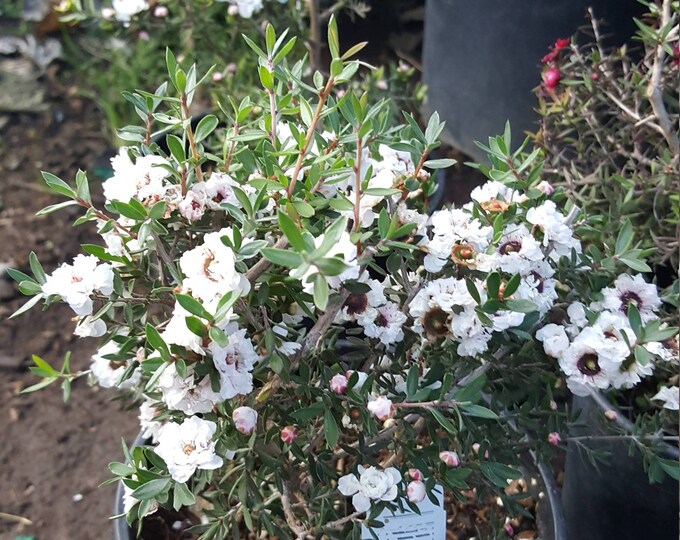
{"x": 232, "y": 10}
{"x": 144, "y": 35}
{"x": 217, "y": 76}
{"x": 245, "y": 419}
{"x": 545, "y": 187}
{"x": 416, "y": 475}
{"x": 554, "y": 438}
{"x": 381, "y": 407}
{"x": 339, "y": 383}
{"x": 289, "y": 434}
{"x": 415, "y": 491}
{"x": 551, "y": 77}
{"x": 450, "y": 459}
{"x": 108, "y": 13}
{"x": 160, "y": 11}
{"x": 381, "y": 84}
{"x": 508, "y": 529}
{"x": 611, "y": 415}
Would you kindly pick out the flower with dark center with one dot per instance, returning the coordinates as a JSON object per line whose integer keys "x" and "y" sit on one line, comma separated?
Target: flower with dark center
{"x": 436, "y": 322}
{"x": 356, "y": 304}
{"x": 381, "y": 320}
{"x": 463, "y": 254}
{"x": 628, "y": 298}
{"x": 588, "y": 364}
{"x": 188, "y": 449}
{"x": 539, "y": 281}
{"x": 510, "y": 246}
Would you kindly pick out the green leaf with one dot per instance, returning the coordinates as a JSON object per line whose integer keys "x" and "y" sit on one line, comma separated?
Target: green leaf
{"x": 471, "y": 409}
{"x": 128, "y": 210}
{"x": 511, "y": 285}
{"x": 193, "y": 306}
{"x": 440, "y": 163}
{"x": 218, "y": 336}
{"x": 54, "y": 207}
{"x": 331, "y": 266}
{"x": 82, "y": 187}
{"x": 266, "y": 78}
{"x": 290, "y": 229}
{"x": 29, "y": 288}
{"x": 320, "y": 292}
{"x": 154, "y": 339}
{"x": 171, "y": 64}
{"x": 44, "y": 367}
{"x": 625, "y": 238}
{"x": 635, "y": 320}
{"x": 28, "y": 305}
{"x": 635, "y": 264}
{"x": 205, "y": 127}
{"x": 58, "y": 185}
{"x": 307, "y": 413}
{"x": 330, "y": 429}
{"x": 520, "y": 305}
{"x": 18, "y": 275}
{"x": 36, "y": 268}
{"x": 472, "y": 391}
{"x": 176, "y": 147}
{"x": 381, "y": 192}
{"x": 412, "y": 381}
{"x": 39, "y": 386}
{"x": 182, "y": 496}
{"x": 282, "y": 257}
{"x": 196, "y": 326}
{"x": 642, "y": 355}
{"x": 151, "y": 489}
{"x": 443, "y": 421}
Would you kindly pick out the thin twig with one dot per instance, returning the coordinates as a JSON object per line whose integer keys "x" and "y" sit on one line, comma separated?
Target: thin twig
{"x": 654, "y": 93}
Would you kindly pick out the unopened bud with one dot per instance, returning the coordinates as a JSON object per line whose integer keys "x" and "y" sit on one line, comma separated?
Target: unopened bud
{"x": 450, "y": 459}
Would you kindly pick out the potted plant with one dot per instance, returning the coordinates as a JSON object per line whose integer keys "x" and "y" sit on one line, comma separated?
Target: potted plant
{"x": 233, "y": 267}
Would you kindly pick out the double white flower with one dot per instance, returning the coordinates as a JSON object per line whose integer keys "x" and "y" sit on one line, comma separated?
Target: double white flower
{"x": 188, "y": 446}
{"x": 372, "y": 485}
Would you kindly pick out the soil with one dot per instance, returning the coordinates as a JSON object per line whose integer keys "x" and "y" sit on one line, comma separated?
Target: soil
{"x": 53, "y": 455}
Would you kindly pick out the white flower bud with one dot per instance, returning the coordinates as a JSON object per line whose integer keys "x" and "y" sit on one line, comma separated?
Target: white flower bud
{"x": 245, "y": 419}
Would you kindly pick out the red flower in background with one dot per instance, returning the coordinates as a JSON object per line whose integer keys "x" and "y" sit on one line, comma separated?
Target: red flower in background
{"x": 560, "y": 44}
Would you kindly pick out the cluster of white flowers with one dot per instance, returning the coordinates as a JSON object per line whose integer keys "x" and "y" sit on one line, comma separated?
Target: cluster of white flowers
{"x": 595, "y": 345}
{"x": 75, "y": 284}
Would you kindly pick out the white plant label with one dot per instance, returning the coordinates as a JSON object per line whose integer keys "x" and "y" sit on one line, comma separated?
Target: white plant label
{"x": 429, "y": 525}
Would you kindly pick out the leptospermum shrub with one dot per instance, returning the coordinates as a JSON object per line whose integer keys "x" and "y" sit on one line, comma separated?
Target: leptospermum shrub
{"x": 308, "y": 346}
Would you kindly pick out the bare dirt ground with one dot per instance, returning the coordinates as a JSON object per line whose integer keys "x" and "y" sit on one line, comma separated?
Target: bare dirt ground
{"x": 52, "y": 455}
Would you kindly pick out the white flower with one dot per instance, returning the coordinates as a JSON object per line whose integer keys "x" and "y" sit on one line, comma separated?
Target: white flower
{"x": 235, "y": 362}
{"x": 89, "y": 328}
{"x": 192, "y": 207}
{"x": 670, "y": 396}
{"x": 188, "y": 446}
{"x": 381, "y": 407}
{"x": 185, "y": 394}
{"x": 245, "y": 419}
{"x": 384, "y": 323}
{"x": 554, "y": 338}
{"x": 415, "y": 491}
{"x": 177, "y": 332}
{"x": 75, "y": 283}
{"x": 246, "y": 8}
{"x": 142, "y": 180}
{"x": 108, "y": 373}
{"x": 455, "y": 227}
{"x": 591, "y": 360}
{"x": 151, "y": 428}
{"x": 494, "y": 190}
{"x": 210, "y": 270}
{"x": 632, "y": 290}
{"x": 372, "y": 485}
{"x": 556, "y": 233}
{"x": 126, "y": 9}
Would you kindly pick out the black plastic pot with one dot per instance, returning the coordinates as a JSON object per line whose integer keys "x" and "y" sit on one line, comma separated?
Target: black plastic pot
{"x": 615, "y": 501}
{"x": 481, "y": 59}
